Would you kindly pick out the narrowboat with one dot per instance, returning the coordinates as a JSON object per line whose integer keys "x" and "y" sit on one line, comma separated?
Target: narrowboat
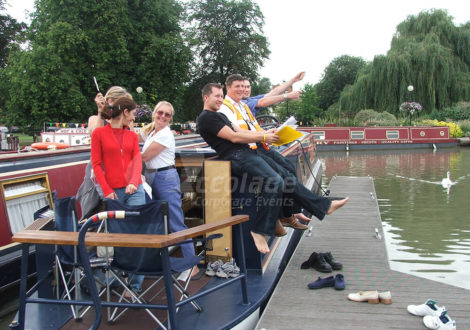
{"x": 27, "y": 180}
{"x": 380, "y": 137}
{"x": 40, "y": 173}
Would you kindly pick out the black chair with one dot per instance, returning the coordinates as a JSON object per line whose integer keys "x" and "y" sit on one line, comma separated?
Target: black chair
{"x": 149, "y": 261}
{"x": 45, "y": 238}
{"x": 68, "y": 270}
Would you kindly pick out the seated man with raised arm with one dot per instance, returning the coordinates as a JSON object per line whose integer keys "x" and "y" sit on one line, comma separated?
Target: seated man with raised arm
{"x": 276, "y": 95}
{"x": 232, "y": 145}
{"x": 242, "y": 118}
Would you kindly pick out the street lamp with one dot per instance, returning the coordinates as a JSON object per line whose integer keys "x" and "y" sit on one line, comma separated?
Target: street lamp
{"x": 139, "y": 90}
{"x": 411, "y": 89}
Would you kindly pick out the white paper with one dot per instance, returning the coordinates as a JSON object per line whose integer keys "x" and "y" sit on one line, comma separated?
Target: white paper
{"x": 291, "y": 121}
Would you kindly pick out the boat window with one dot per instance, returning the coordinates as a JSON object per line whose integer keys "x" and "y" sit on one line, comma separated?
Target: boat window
{"x": 357, "y": 134}
{"x": 392, "y": 135}
{"x": 319, "y": 135}
{"x": 24, "y": 196}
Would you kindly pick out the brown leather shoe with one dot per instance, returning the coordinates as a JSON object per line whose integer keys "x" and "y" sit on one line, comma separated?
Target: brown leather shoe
{"x": 293, "y": 223}
{"x": 280, "y": 231}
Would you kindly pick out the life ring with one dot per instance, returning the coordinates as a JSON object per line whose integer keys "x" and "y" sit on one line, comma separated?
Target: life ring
{"x": 49, "y": 145}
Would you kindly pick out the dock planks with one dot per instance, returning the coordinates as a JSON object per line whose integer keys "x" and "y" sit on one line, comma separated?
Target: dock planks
{"x": 349, "y": 234}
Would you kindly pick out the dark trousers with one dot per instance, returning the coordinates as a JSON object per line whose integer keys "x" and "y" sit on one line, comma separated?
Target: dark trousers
{"x": 247, "y": 162}
{"x": 294, "y": 189}
{"x": 291, "y": 206}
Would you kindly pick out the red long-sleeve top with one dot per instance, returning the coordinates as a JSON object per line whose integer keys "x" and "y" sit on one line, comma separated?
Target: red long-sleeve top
{"x": 115, "y": 166}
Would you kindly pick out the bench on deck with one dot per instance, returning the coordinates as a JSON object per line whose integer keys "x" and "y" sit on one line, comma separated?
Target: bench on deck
{"x": 33, "y": 235}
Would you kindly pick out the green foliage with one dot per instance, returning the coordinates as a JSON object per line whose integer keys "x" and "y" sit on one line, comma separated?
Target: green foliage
{"x": 303, "y": 109}
{"x": 261, "y": 86}
{"x": 370, "y": 117}
{"x": 226, "y": 37}
{"x": 308, "y": 109}
{"x": 127, "y": 43}
{"x": 340, "y": 72}
{"x": 11, "y": 33}
{"x": 429, "y": 52}
{"x": 286, "y": 109}
{"x": 459, "y": 111}
{"x": 333, "y": 113}
{"x": 465, "y": 126}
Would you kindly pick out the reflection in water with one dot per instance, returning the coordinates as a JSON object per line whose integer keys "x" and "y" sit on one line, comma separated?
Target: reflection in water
{"x": 426, "y": 224}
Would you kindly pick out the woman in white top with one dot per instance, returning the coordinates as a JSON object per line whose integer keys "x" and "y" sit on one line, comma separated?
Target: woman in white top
{"x": 158, "y": 154}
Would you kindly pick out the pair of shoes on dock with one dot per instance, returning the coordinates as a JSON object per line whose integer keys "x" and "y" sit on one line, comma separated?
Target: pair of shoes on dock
{"x": 372, "y": 297}
{"x": 331, "y": 281}
{"x": 322, "y": 262}
{"x": 435, "y": 317}
{"x": 223, "y": 270}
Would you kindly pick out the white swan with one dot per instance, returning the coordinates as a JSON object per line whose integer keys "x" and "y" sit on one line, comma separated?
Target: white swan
{"x": 446, "y": 182}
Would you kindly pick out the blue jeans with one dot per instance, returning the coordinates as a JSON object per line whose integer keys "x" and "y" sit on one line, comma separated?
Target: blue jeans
{"x": 166, "y": 186}
{"x": 269, "y": 202}
{"x": 137, "y": 198}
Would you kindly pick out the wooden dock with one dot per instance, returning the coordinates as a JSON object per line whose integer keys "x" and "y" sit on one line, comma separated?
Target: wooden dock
{"x": 349, "y": 234}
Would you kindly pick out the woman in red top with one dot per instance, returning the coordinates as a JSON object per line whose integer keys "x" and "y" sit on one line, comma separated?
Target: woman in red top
{"x": 115, "y": 154}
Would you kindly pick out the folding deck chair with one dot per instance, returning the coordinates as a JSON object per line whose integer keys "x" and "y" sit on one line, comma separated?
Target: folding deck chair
{"x": 149, "y": 261}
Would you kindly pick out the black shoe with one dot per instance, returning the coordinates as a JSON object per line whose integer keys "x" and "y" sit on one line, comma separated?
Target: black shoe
{"x": 308, "y": 263}
{"x": 319, "y": 263}
{"x": 335, "y": 265}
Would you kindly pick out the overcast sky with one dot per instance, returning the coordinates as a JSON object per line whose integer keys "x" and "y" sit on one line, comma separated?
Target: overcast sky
{"x": 306, "y": 35}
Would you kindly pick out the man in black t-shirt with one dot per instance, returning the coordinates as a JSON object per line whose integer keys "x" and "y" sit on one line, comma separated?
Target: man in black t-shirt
{"x": 232, "y": 145}
{"x": 217, "y": 131}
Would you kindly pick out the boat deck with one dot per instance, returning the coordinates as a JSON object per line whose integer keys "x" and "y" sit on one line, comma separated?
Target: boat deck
{"x": 350, "y": 235}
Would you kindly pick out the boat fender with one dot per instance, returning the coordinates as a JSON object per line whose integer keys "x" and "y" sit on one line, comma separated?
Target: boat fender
{"x": 49, "y": 145}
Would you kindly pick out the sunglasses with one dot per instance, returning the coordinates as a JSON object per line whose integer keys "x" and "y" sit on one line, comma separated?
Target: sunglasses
{"x": 166, "y": 114}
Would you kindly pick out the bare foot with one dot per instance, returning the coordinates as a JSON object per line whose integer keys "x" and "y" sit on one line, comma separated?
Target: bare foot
{"x": 302, "y": 217}
{"x": 336, "y": 205}
{"x": 260, "y": 242}
{"x": 195, "y": 271}
{"x": 127, "y": 295}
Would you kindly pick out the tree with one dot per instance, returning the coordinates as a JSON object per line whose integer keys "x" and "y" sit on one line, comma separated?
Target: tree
{"x": 11, "y": 33}
{"x": 305, "y": 109}
{"x": 10, "y": 30}
{"x": 128, "y": 43}
{"x": 261, "y": 86}
{"x": 308, "y": 109}
{"x": 226, "y": 37}
{"x": 429, "y": 52}
{"x": 340, "y": 72}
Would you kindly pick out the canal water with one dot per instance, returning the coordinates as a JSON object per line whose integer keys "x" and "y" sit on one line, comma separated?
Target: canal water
{"x": 426, "y": 225}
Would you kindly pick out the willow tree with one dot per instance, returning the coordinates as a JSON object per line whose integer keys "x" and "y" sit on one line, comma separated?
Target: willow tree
{"x": 428, "y": 52}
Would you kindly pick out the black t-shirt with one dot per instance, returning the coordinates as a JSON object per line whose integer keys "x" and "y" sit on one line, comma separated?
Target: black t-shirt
{"x": 209, "y": 123}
